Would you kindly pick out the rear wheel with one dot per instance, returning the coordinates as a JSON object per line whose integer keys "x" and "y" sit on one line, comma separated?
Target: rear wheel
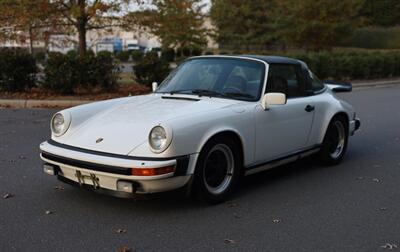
{"x": 335, "y": 141}
{"x": 217, "y": 170}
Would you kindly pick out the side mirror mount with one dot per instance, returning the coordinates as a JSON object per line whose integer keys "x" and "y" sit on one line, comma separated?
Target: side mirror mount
{"x": 270, "y": 99}
{"x": 154, "y": 86}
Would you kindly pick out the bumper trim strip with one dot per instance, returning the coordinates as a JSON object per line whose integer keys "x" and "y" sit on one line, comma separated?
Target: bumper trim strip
{"x": 86, "y": 165}
{"x": 106, "y": 154}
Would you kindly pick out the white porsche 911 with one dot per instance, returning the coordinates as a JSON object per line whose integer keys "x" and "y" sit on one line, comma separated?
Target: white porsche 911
{"x": 212, "y": 120}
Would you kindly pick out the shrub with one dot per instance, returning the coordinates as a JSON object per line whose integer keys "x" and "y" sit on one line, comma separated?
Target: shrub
{"x": 123, "y": 56}
{"x": 105, "y": 54}
{"x": 353, "y": 65}
{"x": 196, "y": 51}
{"x": 65, "y": 73}
{"x": 209, "y": 53}
{"x": 105, "y": 73}
{"x": 40, "y": 56}
{"x": 186, "y": 51}
{"x": 151, "y": 69}
{"x": 168, "y": 55}
{"x": 137, "y": 55}
{"x": 72, "y": 53}
{"x": 17, "y": 70}
{"x": 62, "y": 73}
{"x": 375, "y": 38}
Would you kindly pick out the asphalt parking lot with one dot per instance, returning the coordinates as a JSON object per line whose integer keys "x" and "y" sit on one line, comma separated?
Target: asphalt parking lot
{"x": 354, "y": 206}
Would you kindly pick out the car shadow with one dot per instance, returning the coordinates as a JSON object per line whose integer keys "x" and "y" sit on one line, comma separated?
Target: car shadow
{"x": 177, "y": 200}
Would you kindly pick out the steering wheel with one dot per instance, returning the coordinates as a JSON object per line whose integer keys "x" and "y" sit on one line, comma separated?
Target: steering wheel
{"x": 232, "y": 89}
{"x": 236, "y": 84}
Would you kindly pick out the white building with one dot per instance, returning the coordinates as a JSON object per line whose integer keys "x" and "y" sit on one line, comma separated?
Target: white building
{"x": 64, "y": 43}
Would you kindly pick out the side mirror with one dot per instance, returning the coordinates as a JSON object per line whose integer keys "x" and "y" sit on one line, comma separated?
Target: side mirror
{"x": 270, "y": 99}
{"x": 154, "y": 86}
{"x": 339, "y": 87}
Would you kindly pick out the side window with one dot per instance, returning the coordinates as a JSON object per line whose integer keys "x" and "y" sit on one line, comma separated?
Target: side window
{"x": 285, "y": 79}
{"x": 316, "y": 83}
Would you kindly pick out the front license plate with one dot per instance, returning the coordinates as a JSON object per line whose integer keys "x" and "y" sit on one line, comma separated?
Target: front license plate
{"x": 91, "y": 179}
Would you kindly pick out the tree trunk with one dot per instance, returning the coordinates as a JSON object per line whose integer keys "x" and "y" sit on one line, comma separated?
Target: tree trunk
{"x": 30, "y": 40}
{"x": 82, "y": 40}
{"x": 81, "y": 27}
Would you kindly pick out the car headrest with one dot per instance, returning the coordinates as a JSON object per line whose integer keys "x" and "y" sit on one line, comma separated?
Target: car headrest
{"x": 277, "y": 84}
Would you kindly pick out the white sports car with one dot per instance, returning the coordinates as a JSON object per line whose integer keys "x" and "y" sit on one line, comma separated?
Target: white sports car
{"x": 212, "y": 120}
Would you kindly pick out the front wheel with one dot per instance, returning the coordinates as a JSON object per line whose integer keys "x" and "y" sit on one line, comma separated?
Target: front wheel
{"x": 217, "y": 170}
{"x": 335, "y": 141}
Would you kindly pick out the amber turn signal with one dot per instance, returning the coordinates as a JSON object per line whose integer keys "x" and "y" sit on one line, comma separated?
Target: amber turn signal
{"x": 152, "y": 171}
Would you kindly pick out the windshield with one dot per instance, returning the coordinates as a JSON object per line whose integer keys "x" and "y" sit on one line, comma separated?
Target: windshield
{"x": 232, "y": 78}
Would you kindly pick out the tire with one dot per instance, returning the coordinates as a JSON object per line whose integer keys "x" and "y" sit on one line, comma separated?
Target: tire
{"x": 217, "y": 170}
{"x": 335, "y": 141}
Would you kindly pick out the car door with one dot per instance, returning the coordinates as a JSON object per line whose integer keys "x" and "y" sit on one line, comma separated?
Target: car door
{"x": 284, "y": 129}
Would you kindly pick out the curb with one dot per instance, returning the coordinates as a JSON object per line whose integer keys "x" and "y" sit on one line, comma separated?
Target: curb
{"x": 376, "y": 84}
{"x": 28, "y": 104}
{"x": 19, "y": 104}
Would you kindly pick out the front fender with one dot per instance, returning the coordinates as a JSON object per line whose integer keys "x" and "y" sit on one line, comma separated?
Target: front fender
{"x": 192, "y": 133}
{"x": 83, "y": 113}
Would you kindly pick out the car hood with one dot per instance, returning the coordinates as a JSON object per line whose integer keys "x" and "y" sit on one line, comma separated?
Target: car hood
{"x": 125, "y": 126}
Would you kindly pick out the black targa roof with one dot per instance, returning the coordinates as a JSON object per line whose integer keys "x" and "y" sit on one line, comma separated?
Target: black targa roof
{"x": 274, "y": 59}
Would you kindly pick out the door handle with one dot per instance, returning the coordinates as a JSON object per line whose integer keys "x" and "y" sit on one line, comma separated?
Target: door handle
{"x": 309, "y": 108}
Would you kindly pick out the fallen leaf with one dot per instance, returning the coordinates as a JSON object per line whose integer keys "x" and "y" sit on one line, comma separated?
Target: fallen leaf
{"x": 120, "y": 231}
{"x": 7, "y": 196}
{"x": 360, "y": 178}
{"x": 123, "y": 249}
{"x": 376, "y": 180}
{"x": 59, "y": 188}
{"x": 237, "y": 216}
{"x": 232, "y": 204}
{"x": 389, "y": 246}
{"x": 48, "y": 212}
{"x": 383, "y": 208}
{"x": 229, "y": 241}
{"x": 276, "y": 220}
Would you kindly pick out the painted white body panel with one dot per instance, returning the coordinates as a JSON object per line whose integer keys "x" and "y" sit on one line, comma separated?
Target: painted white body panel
{"x": 125, "y": 124}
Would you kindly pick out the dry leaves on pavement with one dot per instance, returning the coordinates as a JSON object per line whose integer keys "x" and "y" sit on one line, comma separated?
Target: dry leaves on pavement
{"x": 120, "y": 231}
{"x": 123, "y": 249}
{"x": 8, "y": 195}
{"x": 389, "y": 246}
{"x": 229, "y": 241}
{"x": 59, "y": 188}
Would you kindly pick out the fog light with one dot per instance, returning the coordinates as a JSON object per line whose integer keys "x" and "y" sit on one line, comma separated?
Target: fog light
{"x": 50, "y": 169}
{"x": 125, "y": 186}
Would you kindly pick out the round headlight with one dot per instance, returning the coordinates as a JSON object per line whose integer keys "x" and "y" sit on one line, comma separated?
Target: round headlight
{"x": 59, "y": 124}
{"x": 158, "y": 139}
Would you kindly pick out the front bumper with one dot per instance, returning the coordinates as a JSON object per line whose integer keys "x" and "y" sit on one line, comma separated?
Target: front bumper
{"x": 78, "y": 167}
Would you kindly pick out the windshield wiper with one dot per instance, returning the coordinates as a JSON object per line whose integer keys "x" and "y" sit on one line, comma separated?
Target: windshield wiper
{"x": 199, "y": 92}
{"x": 179, "y": 91}
{"x": 236, "y": 95}
{"x": 205, "y": 92}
